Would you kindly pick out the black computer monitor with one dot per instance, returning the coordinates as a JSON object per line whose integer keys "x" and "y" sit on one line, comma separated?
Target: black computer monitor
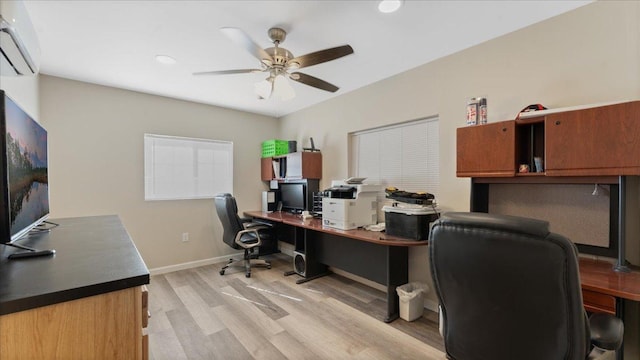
{"x": 293, "y": 197}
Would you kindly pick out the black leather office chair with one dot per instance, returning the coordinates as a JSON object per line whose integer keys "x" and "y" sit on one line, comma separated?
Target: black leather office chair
{"x": 510, "y": 289}
{"x": 241, "y": 234}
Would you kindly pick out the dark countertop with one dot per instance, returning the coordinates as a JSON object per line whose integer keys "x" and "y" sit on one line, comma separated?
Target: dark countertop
{"x": 94, "y": 255}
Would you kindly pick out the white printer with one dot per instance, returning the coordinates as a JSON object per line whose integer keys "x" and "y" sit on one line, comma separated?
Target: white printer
{"x": 350, "y": 206}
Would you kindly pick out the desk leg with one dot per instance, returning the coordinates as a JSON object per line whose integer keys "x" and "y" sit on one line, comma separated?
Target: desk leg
{"x": 620, "y": 314}
{"x": 397, "y": 274}
{"x": 304, "y": 280}
{"x": 289, "y": 273}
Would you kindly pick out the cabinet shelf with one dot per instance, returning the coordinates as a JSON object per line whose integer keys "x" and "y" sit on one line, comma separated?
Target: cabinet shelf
{"x": 298, "y": 165}
{"x": 596, "y": 141}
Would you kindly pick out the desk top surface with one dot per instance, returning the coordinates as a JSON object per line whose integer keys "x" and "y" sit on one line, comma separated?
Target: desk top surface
{"x": 595, "y": 275}
{"x": 94, "y": 255}
{"x": 599, "y": 276}
{"x": 316, "y": 224}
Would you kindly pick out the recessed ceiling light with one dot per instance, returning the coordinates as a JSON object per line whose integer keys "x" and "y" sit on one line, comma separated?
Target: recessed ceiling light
{"x": 165, "y": 59}
{"x": 389, "y": 6}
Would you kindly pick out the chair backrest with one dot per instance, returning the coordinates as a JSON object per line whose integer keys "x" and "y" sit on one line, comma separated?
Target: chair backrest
{"x": 228, "y": 213}
{"x": 508, "y": 289}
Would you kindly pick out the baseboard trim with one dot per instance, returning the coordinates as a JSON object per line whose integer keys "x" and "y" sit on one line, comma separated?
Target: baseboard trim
{"x": 286, "y": 248}
{"x": 194, "y": 264}
{"x": 431, "y": 305}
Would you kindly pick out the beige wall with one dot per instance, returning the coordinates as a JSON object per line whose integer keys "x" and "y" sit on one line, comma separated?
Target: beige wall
{"x": 96, "y": 160}
{"x": 24, "y": 91}
{"x": 589, "y": 55}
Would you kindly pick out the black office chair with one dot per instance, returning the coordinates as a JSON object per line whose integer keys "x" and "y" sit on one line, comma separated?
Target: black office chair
{"x": 509, "y": 289}
{"x": 241, "y": 233}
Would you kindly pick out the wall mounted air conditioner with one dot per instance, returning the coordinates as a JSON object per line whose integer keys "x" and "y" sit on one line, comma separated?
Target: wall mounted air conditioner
{"x": 19, "y": 47}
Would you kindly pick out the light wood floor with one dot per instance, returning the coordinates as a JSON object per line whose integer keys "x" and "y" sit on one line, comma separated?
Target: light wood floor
{"x": 198, "y": 314}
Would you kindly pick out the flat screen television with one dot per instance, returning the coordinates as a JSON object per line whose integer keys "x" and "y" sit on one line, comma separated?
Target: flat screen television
{"x": 293, "y": 197}
{"x": 24, "y": 188}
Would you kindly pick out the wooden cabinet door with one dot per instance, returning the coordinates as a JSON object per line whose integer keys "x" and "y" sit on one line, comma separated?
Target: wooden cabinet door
{"x": 486, "y": 150}
{"x": 598, "y": 141}
{"x": 311, "y": 165}
{"x": 266, "y": 169}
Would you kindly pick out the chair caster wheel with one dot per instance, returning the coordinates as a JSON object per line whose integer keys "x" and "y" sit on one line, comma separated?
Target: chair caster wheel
{"x": 268, "y": 266}
{"x": 247, "y": 275}
{"x": 221, "y": 272}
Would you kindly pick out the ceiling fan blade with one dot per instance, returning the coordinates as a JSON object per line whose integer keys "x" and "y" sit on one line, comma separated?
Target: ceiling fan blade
{"x": 322, "y": 56}
{"x": 313, "y": 81}
{"x": 242, "y": 39}
{"x": 226, "y": 72}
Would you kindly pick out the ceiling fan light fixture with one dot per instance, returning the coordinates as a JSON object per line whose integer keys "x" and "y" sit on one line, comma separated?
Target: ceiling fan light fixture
{"x": 282, "y": 89}
{"x": 389, "y": 6}
{"x": 264, "y": 88}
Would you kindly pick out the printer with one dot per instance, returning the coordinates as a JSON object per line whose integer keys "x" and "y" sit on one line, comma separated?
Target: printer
{"x": 350, "y": 206}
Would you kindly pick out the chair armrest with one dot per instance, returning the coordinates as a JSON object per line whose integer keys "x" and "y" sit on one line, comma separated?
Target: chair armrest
{"x": 257, "y": 225}
{"x": 244, "y": 245}
{"x": 607, "y": 331}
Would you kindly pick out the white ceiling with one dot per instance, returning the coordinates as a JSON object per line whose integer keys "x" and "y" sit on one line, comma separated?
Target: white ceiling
{"x": 114, "y": 43}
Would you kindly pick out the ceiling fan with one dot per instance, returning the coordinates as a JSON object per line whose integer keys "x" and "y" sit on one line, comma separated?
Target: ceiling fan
{"x": 278, "y": 62}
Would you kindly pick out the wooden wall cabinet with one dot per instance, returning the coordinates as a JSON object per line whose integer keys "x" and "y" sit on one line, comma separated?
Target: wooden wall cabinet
{"x": 298, "y": 165}
{"x": 597, "y": 141}
{"x": 486, "y": 150}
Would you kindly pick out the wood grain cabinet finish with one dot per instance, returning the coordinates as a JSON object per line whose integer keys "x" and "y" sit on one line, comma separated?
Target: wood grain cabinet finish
{"x": 266, "y": 169}
{"x": 596, "y": 302}
{"x": 597, "y": 141}
{"x": 106, "y": 326}
{"x": 486, "y": 150}
{"x": 298, "y": 165}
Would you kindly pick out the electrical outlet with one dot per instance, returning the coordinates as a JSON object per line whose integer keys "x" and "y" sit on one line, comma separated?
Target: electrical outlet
{"x": 185, "y": 237}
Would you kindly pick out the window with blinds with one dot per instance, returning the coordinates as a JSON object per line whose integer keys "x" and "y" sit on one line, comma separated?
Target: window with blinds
{"x": 403, "y": 155}
{"x": 186, "y": 168}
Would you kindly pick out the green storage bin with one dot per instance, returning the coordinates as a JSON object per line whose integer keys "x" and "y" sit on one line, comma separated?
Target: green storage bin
{"x": 274, "y": 148}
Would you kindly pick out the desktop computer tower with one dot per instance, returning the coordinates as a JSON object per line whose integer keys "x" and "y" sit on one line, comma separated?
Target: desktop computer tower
{"x": 270, "y": 200}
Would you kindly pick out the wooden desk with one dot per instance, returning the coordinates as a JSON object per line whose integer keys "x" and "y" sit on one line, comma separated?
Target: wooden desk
{"x": 316, "y": 225}
{"x": 372, "y": 255}
{"x": 603, "y": 289}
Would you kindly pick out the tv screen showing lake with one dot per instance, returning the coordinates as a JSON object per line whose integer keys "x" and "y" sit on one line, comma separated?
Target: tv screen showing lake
{"x": 28, "y": 205}
{"x": 27, "y": 169}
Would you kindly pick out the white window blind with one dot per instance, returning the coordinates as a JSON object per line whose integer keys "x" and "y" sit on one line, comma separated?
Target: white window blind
{"x": 403, "y": 155}
{"x": 186, "y": 168}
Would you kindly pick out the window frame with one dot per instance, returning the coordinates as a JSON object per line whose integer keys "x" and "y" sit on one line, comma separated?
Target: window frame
{"x": 220, "y": 151}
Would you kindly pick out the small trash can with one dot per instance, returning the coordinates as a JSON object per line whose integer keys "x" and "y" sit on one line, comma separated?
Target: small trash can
{"x": 411, "y": 300}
